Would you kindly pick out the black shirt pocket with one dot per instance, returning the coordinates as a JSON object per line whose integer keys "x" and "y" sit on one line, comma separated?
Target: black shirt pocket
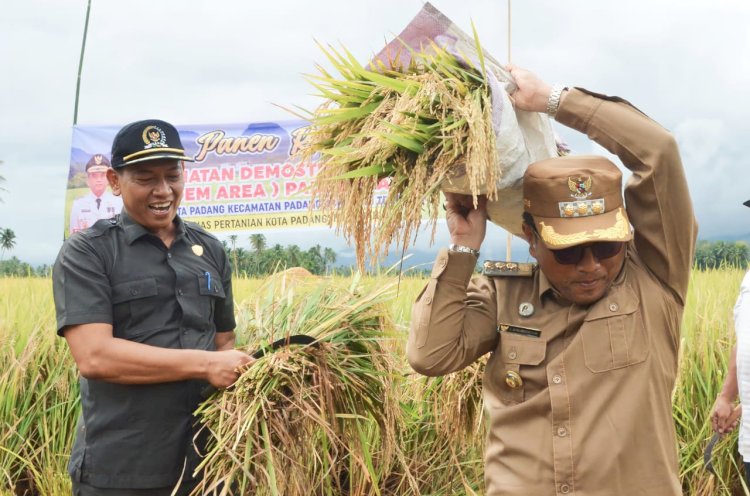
{"x": 210, "y": 289}
{"x": 613, "y": 333}
{"x": 131, "y": 307}
{"x": 208, "y": 285}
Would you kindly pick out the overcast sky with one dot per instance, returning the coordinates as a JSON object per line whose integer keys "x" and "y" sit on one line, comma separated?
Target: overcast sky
{"x": 685, "y": 63}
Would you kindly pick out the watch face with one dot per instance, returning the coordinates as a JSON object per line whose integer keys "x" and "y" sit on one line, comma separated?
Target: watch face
{"x": 463, "y": 249}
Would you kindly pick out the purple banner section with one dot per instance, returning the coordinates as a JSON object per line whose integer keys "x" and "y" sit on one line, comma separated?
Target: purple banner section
{"x": 244, "y": 178}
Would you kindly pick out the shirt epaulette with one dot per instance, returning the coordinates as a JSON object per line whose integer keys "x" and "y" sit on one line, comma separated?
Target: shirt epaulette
{"x": 194, "y": 226}
{"x": 100, "y": 227}
{"x": 493, "y": 268}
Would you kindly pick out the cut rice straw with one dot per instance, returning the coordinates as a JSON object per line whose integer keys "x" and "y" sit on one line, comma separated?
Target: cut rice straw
{"x": 308, "y": 420}
{"x": 407, "y": 129}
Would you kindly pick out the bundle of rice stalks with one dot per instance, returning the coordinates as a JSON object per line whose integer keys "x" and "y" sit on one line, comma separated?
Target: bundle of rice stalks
{"x": 414, "y": 127}
{"x": 442, "y": 438}
{"x": 318, "y": 419}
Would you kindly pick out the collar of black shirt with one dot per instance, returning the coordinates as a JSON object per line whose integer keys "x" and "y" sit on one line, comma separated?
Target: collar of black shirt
{"x": 134, "y": 230}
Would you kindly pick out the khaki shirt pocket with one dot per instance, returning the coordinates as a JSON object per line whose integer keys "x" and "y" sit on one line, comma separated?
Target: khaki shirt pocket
{"x": 516, "y": 356}
{"x": 613, "y": 333}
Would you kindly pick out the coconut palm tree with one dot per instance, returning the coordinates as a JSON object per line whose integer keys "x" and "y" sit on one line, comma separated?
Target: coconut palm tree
{"x": 258, "y": 243}
{"x": 7, "y": 241}
{"x": 294, "y": 256}
{"x": 233, "y": 242}
{"x": 330, "y": 258}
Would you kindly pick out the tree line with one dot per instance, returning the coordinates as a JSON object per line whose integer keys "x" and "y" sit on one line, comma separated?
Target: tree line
{"x": 259, "y": 259}
{"x": 721, "y": 254}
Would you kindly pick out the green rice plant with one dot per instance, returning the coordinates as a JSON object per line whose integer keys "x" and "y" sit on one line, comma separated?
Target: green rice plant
{"x": 410, "y": 435}
{"x": 442, "y": 437}
{"x": 307, "y": 420}
{"x": 38, "y": 391}
{"x": 415, "y": 126}
{"x": 707, "y": 339}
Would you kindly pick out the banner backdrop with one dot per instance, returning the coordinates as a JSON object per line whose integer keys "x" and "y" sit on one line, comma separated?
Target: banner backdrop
{"x": 243, "y": 177}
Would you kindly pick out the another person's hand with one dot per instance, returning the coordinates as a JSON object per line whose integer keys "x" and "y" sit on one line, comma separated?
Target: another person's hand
{"x": 724, "y": 416}
{"x": 467, "y": 225}
{"x": 224, "y": 367}
{"x": 532, "y": 93}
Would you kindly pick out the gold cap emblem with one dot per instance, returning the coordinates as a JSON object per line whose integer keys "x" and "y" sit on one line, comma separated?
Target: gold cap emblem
{"x": 153, "y": 137}
{"x": 198, "y": 250}
{"x": 580, "y": 187}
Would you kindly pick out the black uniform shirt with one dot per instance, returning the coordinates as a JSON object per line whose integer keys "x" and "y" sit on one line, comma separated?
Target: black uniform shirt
{"x": 116, "y": 272}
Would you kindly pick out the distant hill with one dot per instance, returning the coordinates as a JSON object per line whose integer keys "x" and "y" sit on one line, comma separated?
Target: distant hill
{"x": 729, "y": 237}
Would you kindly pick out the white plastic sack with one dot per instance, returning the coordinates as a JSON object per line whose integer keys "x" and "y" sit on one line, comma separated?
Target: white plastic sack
{"x": 521, "y": 138}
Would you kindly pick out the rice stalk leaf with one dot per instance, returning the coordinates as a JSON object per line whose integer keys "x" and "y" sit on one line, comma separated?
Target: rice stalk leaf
{"x": 397, "y": 85}
{"x": 403, "y": 141}
{"x": 369, "y": 171}
{"x": 333, "y": 116}
{"x": 480, "y": 52}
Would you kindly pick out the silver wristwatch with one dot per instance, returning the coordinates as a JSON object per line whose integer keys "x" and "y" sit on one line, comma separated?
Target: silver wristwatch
{"x": 463, "y": 249}
{"x": 554, "y": 99}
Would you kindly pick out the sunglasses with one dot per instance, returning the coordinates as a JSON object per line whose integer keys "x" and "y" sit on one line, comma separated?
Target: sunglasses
{"x": 600, "y": 250}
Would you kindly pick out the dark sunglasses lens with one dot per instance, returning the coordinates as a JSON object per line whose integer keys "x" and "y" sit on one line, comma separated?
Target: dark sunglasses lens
{"x": 569, "y": 256}
{"x": 606, "y": 249}
{"x": 574, "y": 254}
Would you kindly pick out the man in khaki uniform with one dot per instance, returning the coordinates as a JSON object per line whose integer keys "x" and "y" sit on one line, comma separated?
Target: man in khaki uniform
{"x": 584, "y": 347}
{"x": 99, "y": 202}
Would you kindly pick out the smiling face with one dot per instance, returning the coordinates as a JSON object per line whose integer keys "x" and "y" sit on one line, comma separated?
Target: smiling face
{"x": 151, "y": 192}
{"x": 582, "y": 283}
{"x": 97, "y": 182}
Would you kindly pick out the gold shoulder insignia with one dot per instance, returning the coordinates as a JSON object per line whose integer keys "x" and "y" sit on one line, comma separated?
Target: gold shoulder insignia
{"x": 492, "y": 268}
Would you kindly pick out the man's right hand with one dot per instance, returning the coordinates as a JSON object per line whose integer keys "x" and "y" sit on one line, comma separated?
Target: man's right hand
{"x": 532, "y": 93}
{"x": 467, "y": 225}
{"x": 724, "y": 416}
{"x": 224, "y": 367}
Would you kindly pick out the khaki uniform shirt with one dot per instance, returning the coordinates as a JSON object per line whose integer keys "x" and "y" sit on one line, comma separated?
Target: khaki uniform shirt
{"x": 593, "y": 415}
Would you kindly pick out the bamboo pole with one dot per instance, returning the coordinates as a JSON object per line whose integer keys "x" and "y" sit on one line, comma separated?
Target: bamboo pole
{"x": 80, "y": 62}
{"x": 509, "y": 238}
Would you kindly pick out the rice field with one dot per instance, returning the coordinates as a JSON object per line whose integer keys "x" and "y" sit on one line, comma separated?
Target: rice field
{"x": 424, "y": 438}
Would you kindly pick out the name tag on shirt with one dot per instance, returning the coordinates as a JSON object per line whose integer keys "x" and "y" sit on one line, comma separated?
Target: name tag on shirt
{"x": 523, "y": 331}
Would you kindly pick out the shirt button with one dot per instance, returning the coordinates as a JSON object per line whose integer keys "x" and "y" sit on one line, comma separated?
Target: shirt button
{"x": 613, "y": 307}
{"x": 562, "y": 431}
{"x": 512, "y": 355}
{"x": 564, "y": 488}
{"x": 133, "y": 292}
{"x": 557, "y": 379}
{"x": 513, "y": 380}
{"x": 179, "y": 292}
{"x": 169, "y": 255}
{"x": 428, "y": 300}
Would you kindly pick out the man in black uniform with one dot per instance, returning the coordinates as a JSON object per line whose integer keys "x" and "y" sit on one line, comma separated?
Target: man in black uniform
{"x": 144, "y": 301}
